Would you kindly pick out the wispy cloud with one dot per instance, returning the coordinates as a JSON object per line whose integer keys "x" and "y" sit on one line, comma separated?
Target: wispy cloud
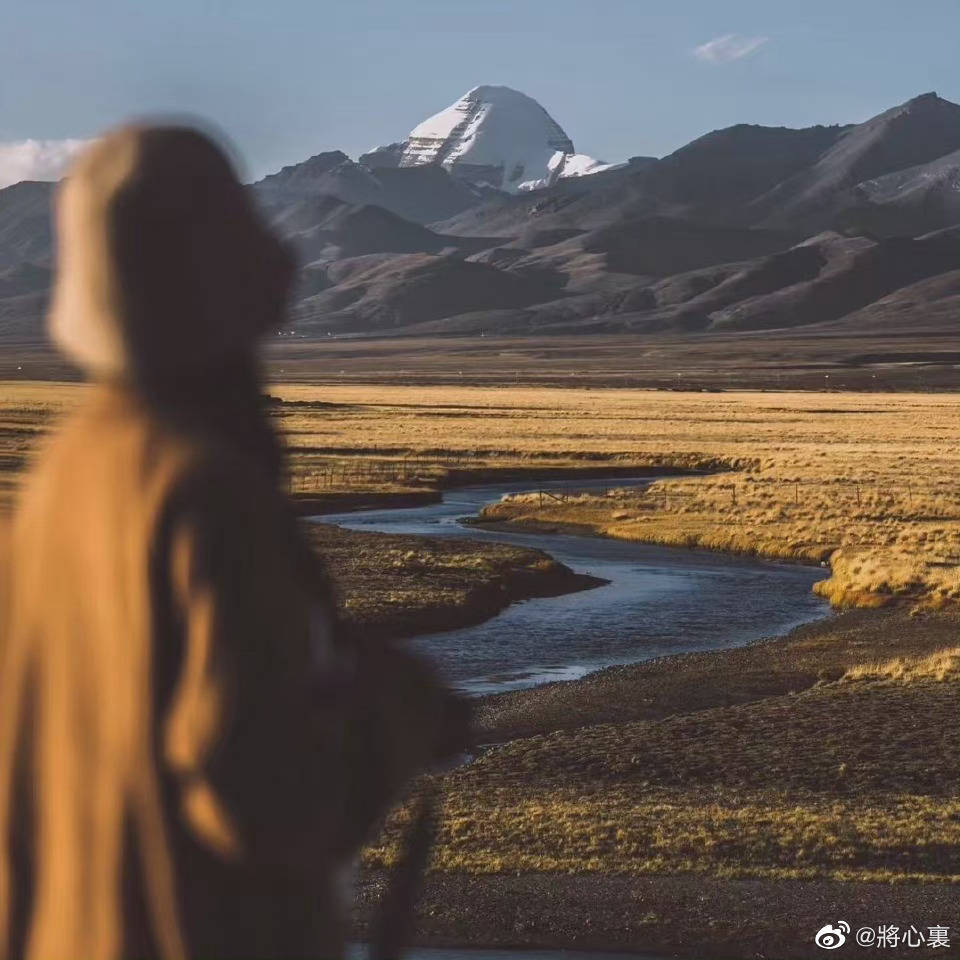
{"x": 35, "y": 159}
{"x": 731, "y": 46}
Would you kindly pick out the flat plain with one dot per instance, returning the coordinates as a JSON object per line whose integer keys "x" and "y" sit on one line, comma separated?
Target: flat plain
{"x": 719, "y": 804}
{"x": 865, "y": 482}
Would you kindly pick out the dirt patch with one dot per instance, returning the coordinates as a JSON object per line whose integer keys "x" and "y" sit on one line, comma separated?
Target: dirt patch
{"x": 693, "y": 917}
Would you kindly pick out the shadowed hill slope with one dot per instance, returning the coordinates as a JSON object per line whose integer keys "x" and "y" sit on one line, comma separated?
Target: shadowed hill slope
{"x": 747, "y": 228}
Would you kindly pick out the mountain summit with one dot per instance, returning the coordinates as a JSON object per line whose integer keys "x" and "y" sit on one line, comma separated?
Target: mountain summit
{"x": 473, "y": 225}
{"x": 492, "y": 135}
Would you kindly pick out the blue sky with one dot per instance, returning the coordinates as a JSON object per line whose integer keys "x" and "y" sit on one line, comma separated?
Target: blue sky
{"x": 289, "y": 78}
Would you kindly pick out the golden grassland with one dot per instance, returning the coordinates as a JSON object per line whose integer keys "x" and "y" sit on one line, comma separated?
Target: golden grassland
{"x": 866, "y": 481}
{"x": 759, "y": 836}
{"x": 826, "y": 757}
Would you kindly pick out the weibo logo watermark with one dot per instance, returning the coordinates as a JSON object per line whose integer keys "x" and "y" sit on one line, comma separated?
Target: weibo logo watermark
{"x": 829, "y": 937}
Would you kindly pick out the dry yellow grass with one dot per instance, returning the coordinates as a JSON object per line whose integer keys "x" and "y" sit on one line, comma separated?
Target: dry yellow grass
{"x": 866, "y": 481}
{"x": 939, "y": 666}
{"x": 769, "y": 836}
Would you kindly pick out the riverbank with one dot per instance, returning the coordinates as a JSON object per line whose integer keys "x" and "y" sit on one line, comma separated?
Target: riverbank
{"x": 319, "y": 502}
{"x": 345, "y": 501}
{"x": 881, "y": 547}
{"x": 399, "y": 586}
{"x": 712, "y": 805}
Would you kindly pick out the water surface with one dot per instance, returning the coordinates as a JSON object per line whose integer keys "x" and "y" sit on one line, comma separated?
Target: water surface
{"x": 660, "y": 600}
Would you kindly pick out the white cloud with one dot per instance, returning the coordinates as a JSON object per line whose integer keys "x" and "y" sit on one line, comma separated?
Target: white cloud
{"x": 731, "y": 46}
{"x": 35, "y": 159}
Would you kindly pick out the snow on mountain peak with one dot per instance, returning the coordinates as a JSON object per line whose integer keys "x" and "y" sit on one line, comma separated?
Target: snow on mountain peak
{"x": 493, "y": 135}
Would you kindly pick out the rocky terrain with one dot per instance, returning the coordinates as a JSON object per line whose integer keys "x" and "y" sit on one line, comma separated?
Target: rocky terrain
{"x": 485, "y": 221}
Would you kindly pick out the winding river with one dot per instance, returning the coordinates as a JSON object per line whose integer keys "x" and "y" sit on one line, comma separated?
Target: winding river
{"x": 660, "y": 600}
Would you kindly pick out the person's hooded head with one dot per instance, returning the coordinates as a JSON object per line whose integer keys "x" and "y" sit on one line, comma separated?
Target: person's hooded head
{"x": 164, "y": 271}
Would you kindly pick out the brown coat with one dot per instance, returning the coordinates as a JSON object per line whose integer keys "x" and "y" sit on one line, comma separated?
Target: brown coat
{"x": 189, "y": 745}
{"x": 180, "y": 772}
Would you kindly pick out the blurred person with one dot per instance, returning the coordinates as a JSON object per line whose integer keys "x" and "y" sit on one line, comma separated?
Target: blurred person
{"x": 191, "y": 744}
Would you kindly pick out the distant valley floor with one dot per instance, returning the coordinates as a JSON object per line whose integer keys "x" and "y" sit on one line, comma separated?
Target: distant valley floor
{"x": 767, "y": 360}
{"x": 914, "y": 360}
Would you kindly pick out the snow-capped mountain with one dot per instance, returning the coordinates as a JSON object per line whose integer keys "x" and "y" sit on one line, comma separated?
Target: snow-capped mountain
{"x": 491, "y": 135}
{"x": 418, "y": 238}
